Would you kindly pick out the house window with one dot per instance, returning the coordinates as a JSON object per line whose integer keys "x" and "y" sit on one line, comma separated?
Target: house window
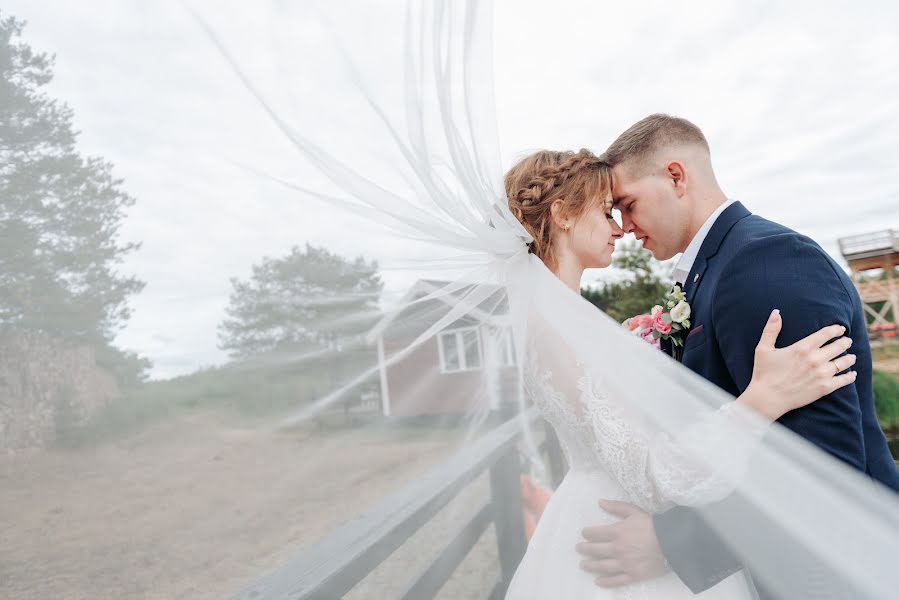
{"x": 460, "y": 350}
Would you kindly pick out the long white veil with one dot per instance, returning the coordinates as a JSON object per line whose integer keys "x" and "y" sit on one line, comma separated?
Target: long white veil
{"x": 403, "y": 141}
{"x": 451, "y": 195}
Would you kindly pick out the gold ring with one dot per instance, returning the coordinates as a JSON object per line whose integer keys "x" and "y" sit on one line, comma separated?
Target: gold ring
{"x": 836, "y": 366}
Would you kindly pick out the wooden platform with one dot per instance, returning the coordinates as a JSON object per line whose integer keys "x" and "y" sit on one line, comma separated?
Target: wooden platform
{"x": 871, "y": 250}
{"x": 873, "y": 258}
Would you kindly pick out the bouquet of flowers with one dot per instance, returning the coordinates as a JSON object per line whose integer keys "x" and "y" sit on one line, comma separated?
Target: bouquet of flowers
{"x": 667, "y": 321}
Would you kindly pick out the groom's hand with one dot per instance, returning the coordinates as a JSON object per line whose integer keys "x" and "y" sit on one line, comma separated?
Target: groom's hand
{"x": 625, "y": 552}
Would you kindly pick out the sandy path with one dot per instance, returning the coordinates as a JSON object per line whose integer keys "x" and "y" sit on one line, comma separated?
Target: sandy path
{"x": 185, "y": 511}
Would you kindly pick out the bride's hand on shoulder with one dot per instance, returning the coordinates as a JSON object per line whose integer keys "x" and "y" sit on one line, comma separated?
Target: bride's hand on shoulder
{"x": 784, "y": 379}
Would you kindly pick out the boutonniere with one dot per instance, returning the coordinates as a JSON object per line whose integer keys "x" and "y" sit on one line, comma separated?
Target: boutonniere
{"x": 667, "y": 321}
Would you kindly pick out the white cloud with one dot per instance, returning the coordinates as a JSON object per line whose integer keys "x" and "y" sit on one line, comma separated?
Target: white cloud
{"x": 798, "y": 102}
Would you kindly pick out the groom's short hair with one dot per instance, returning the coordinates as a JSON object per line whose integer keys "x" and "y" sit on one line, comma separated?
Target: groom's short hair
{"x": 651, "y": 134}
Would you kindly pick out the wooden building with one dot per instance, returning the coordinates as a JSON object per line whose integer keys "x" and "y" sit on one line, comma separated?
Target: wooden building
{"x": 469, "y": 366}
{"x": 873, "y": 259}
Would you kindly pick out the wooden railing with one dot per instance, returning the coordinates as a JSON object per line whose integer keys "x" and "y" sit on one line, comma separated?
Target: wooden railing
{"x": 875, "y": 290}
{"x": 333, "y": 567}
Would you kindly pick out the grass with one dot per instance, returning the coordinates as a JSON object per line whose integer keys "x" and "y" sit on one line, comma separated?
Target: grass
{"x": 885, "y": 351}
{"x": 886, "y": 400}
{"x": 245, "y": 390}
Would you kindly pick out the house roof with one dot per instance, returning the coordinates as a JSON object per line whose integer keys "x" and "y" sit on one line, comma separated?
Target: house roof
{"x": 412, "y": 315}
{"x": 878, "y": 243}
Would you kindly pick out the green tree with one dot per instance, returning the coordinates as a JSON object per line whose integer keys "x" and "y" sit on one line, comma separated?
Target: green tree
{"x": 640, "y": 287}
{"x": 886, "y": 399}
{"x": 60, "y": 214}
{"x": 308, "y": 300}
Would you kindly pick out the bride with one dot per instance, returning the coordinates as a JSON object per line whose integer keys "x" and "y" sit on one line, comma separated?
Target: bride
{"x": 563, "y": 199}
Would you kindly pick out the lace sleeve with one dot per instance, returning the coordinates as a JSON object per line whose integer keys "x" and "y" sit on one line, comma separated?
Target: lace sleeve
{"x": 661, "y": 470}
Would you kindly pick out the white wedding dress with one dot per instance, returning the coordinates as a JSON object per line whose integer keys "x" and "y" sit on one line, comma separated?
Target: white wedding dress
{"x": 610, "y": 458}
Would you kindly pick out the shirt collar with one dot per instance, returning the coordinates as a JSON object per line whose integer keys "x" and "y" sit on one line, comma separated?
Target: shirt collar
{"x": 688, "y": 258}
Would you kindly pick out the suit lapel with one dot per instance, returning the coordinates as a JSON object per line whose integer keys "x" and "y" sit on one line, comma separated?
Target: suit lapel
{"x": 695, "y": 278}
{"x": 722, "y": 226}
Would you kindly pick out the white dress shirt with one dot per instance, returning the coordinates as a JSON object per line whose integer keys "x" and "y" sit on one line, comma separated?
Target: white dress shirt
{"x": 685, "y": 264}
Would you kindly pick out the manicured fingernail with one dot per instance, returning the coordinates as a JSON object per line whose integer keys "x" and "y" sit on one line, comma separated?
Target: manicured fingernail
{"x": 775, "y": 312}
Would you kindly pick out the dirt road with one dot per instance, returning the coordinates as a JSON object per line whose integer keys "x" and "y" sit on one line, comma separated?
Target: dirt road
{"x": 191, "y": 509}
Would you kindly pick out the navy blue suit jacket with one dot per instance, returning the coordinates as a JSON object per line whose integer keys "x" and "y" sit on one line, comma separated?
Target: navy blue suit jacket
{"x": 746, "y": 267}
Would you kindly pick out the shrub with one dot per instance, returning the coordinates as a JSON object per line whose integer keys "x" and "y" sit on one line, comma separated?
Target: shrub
{"x": 886, "y": 399}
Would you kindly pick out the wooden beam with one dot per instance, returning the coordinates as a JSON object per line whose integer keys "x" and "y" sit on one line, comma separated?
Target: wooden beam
{"x": 382, "y": 371}
{"x": 428, "y": 583}
{"x": 867, "y": 263}
{"x": 505, "y": 486}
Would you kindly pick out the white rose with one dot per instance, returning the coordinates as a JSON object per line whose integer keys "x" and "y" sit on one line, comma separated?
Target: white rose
{"x": 681, "y": 312}
{"x": 655, "y": 311}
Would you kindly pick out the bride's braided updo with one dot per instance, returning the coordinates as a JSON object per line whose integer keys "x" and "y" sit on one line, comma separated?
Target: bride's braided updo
{"x": 578, "y": 179}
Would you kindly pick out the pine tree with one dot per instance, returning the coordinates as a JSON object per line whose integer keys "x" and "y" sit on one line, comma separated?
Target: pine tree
{"x": 308, "y": 300}
{"x": 60, "y": 214}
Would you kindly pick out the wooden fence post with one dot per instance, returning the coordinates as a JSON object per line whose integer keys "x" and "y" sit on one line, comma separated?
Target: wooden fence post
{"x": 505, "y": 486}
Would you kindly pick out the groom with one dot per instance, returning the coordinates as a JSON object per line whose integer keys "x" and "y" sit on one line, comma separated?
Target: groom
{"x": 735, "y": 269}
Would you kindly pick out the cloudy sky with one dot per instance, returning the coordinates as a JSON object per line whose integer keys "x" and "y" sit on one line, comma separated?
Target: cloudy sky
{"x": 799, "y": 100}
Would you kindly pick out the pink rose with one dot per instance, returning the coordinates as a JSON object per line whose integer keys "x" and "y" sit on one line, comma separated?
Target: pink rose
{"x": 647, "y": 337}
{"x": 660, "y": 325}
{"x": 644, "y": 321}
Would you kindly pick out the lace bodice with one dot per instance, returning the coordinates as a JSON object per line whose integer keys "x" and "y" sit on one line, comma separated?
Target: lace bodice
{"x": 655, "y": 470}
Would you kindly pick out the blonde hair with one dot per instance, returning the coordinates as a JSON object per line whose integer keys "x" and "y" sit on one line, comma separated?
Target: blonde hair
{"x": 578, "y": 179}
{"x": 649, "y": 135}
